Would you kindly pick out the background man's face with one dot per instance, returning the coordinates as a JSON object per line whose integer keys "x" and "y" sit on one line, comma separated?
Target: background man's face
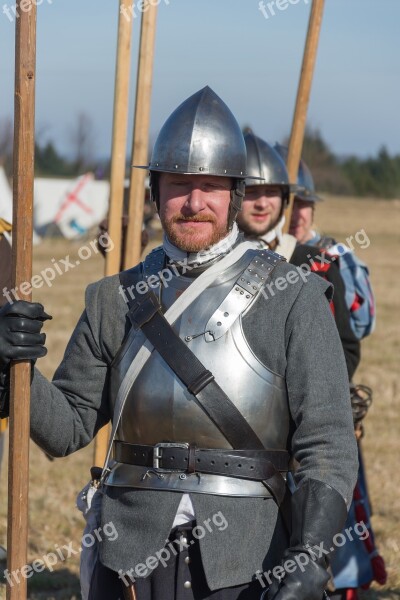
{"x": 302, "y": 220}
{"x": 194, "y": 209}
{"x": 261, "y": 209}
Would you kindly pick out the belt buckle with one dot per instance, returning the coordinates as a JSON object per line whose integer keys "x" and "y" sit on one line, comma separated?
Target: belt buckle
{"x": 157, "y": 455}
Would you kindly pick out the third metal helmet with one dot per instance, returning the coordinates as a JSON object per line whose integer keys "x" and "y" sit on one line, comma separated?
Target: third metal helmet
{"x": 305, "y": 181}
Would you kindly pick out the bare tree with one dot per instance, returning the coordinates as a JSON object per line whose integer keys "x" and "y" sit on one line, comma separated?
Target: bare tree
{"x": 82, "y": 141}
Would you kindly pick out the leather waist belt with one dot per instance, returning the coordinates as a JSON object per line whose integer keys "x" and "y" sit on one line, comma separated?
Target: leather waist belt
{"x": 170, "y": 457}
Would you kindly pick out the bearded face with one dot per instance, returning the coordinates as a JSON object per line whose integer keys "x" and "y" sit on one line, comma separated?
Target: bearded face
{"x": 194, "y": 209}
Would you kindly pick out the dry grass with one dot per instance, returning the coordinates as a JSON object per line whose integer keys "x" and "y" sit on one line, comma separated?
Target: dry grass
{"x": 54, "y": 485}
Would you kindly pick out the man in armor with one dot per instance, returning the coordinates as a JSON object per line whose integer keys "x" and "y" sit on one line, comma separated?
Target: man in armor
{"x": 262, "y": 219}
{"x": 219, "y": 365}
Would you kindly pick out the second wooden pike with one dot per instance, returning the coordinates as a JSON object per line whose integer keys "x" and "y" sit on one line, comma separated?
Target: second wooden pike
{"x": 302, "y": 100}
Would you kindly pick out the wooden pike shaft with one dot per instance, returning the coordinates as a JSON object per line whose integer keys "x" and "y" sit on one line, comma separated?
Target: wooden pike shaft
{"x": 118, "y": 161}
{"x": 141, "y": 134}
{"x": 24, "y": 148}
{"x": 120, "y": 123}
{"x": 302, "y": 100}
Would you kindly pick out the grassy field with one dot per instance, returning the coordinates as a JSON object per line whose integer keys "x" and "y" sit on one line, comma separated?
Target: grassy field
{"x": 54, "y": 520}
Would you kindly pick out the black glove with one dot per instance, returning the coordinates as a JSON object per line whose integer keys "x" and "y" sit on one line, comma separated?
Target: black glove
{"x": 318, "y": 513}
{"x": 20, "y": 337}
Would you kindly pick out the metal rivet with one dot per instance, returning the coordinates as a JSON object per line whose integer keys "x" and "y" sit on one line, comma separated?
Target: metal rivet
{"x": 219, "y": 323}
{"x": 226, "y": 314}
{"x": 187, "y": 560}
{"x": 242, "y": 293}
{"x": 236, "y": 289}
{"x": 187, "y": 585}
{"x": 254, "y": 287}
{"x": 184, "y": 540}
{"x": 176, "y": 166}
{"x": 201, "y": 168}
{"x": 247, "y": 295}
{"x": 182, "y": 476}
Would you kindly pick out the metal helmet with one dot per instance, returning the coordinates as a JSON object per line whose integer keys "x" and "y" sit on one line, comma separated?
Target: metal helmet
{"x": 201, "y": 137}
{"x": 305, "y": 181}
{"x": 266, "y": 166}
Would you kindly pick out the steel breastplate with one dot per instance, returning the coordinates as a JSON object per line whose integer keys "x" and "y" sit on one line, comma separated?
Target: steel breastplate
{"x": 159, "y": 408}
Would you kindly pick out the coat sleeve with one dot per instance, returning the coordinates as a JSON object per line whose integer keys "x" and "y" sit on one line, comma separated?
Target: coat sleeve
{"x": 323, "y": 440}
{"x": 329, "y": 270}
{"x": 67, "y": 412}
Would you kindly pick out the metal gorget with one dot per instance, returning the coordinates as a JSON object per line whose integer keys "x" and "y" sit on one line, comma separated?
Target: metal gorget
{"x": 160, "y": 409}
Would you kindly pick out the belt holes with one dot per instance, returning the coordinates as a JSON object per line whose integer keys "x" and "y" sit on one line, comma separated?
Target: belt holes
{"x": 251, "y": 467}
{"x": 227, "y": 464}
{"x": 172, "y": 458}
{"x": 198, "y": 460}
{"x": 186, "y": 459}
{"x": 213, "y": 462}
{"x": 239, "y": 465}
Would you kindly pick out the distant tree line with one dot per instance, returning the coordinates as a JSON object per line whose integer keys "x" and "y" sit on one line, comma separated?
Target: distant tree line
{"x": 377, "y": 176}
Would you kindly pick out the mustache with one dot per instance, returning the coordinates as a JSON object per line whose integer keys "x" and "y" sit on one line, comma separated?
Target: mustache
{"x": 194, "y": 219}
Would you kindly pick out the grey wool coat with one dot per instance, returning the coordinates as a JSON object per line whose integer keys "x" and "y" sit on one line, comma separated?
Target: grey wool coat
{"x": 293, "y": 333}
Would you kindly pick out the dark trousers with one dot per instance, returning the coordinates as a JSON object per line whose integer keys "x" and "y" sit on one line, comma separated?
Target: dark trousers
{"x": 182, "y": 578}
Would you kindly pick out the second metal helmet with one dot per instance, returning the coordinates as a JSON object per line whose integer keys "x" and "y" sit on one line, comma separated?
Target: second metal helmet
{"x": 305, "y": 181}
{"x": 265, "y": 164}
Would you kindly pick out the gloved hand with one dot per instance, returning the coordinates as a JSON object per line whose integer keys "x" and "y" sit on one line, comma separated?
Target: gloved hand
{"x": 20, "y": 337}
{"x": 318, "y": 513}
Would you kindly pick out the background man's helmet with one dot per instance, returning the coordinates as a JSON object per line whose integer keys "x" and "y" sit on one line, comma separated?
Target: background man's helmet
{"x": 266, "y": 164}
{"x": 305, "y": 181}
{"x": 201, "y": 137}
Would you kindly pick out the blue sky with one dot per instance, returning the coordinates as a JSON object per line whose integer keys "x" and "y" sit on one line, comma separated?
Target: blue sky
{"x": 252, "y": 62}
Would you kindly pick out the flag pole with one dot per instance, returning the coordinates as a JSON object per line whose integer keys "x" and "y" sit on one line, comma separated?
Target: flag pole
{"x": 141, "y": 134}
{"x": 23, "y": 181}
{"x": 302, "y": 100}
{"x": 118, "y": 162}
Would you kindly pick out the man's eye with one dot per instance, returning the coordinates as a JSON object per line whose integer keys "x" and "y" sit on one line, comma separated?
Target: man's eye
{"x": 213, "y": 186}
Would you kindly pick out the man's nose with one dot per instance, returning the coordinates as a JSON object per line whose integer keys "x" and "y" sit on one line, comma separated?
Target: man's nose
{"x": 261, "y": 202}
{"x": 196, "y": 200}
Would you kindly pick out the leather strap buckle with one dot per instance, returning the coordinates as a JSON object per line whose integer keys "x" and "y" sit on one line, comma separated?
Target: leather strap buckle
{"x": 157, "y": 455}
